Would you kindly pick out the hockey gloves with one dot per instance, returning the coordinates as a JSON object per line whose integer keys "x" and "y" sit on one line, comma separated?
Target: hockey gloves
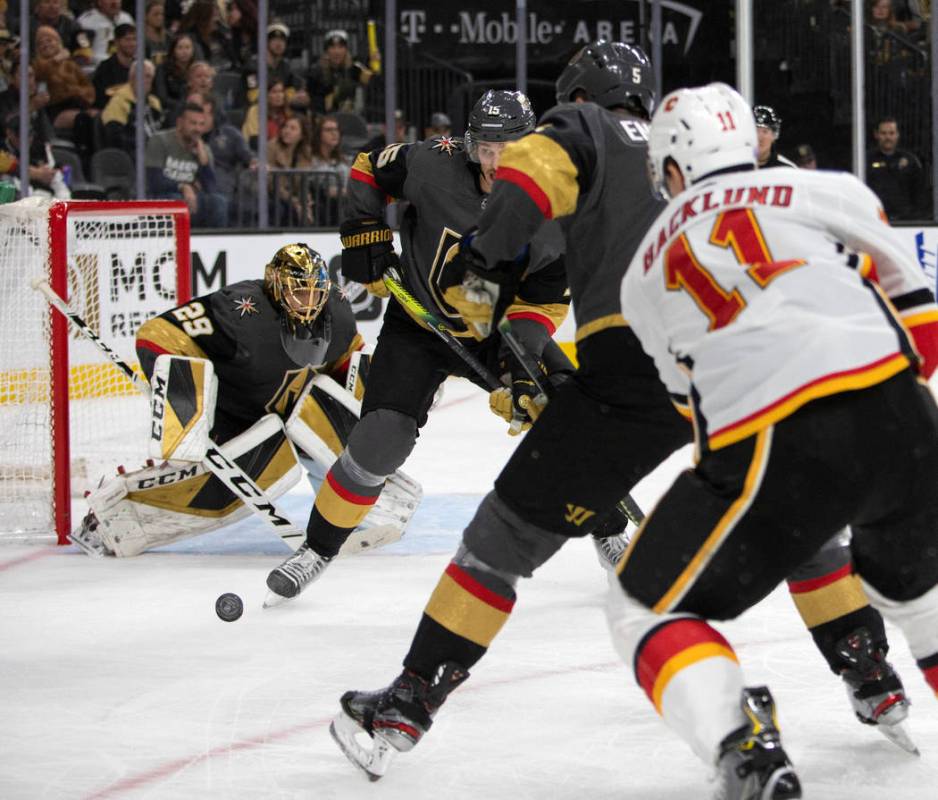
{"x": 478, "y": 293}
{"x": 519, "y": 405}
{"x": 367, "y": 250}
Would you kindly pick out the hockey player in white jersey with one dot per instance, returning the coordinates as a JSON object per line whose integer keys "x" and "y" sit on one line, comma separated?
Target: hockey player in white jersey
{"x": 788, "y": 310}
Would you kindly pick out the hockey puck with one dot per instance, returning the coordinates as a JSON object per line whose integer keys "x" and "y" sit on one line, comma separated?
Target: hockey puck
{"x": 229, "y": 607}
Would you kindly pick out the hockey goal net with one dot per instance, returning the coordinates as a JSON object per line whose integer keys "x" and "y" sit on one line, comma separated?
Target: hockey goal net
{"x": 67, "y": 415}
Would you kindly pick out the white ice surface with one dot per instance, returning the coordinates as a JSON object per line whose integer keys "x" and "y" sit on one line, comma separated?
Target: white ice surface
{"x": 118, "y": 680}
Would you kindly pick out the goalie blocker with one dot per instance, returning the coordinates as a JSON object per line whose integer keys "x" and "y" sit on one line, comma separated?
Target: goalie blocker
{"x": 180, "y": 498}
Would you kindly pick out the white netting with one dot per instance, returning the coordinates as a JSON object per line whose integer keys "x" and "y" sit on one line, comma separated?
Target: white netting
{"x": 121, "y": 271}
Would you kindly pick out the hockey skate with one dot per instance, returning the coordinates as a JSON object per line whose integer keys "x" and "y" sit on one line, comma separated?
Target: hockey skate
{"x": 752, "y": 764}
{"x": 294, "y": 575}
{"x": 610, "y": 549}
{"x": 395, "y": 718}
{"x": 874, "y": 688}
{"x": 88, "y": 540}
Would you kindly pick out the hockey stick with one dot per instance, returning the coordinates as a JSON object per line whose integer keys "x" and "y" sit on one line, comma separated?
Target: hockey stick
{"x": 227, "y": 471}
{"x": 627, "y": 504}
{"x": 392, "y": 279}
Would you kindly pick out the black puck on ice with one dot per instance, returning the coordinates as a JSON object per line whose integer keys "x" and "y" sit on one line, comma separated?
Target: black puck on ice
{"x": 229, "y": 607}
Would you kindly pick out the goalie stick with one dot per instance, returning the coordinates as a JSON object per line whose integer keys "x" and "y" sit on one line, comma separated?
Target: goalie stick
{"x": 222, "y": 467}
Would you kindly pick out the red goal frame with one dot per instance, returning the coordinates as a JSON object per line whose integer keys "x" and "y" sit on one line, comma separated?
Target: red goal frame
{"x": 59, "y": 214}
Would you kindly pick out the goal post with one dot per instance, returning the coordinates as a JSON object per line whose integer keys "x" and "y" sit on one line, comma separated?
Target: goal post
{"x": 67, "y": 416}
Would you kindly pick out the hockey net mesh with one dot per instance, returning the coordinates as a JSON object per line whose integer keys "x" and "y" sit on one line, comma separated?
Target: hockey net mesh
{"x": 121, "y": 270}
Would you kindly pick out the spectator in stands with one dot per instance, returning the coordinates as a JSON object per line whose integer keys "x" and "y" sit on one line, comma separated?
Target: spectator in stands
{"x": 114, "y": 69}
{"x": 242, "y": 24}
{"x": 172, "y": 74}
{"x": 896, "y": 176}
{"x": 70, "y": 90}
{"x": 230, "y": 154}
{"x": 9, "y": 48}
{"x": 440, "y": 125}
{"x": 75, "y": 40}
{"x": 200, "y": 79}
{"x": 119, "y": 116}
{"x": 277, "y": 112}
{"x": 804, "y": 157}
{"x": 291, "y": 149}
{"x": 203, "y": 22}
{"x": 329, "y": 158}
{"x": 334, "y": 82}
{"x": 45, "y": 178}
{"x": 278, "y": 69}
{"x": 180, "y": 166}
{"x": 100, "y": 23}
{"x": 39, "y": 121}
{"x": 157, "y": 37}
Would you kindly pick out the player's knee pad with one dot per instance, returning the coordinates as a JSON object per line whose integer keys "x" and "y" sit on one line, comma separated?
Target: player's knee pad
{"x": 182, "y": 407}
{"x": 322, "y": 419}
{"x": 504, "y": 541}
{"x": 382, "y": 440}
{"x": 164, "y": 503}
{"x": 917, "y": 618}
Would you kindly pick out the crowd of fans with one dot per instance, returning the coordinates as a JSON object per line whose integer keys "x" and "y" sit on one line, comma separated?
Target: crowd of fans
{"x": 201, "y": 118}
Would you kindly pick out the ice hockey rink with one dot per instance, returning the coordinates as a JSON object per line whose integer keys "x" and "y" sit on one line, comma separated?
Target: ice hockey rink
{"x": 117, "y": 680}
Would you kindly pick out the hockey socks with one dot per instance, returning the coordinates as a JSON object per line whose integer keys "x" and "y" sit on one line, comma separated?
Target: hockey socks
{"x": 465, "y": 613}
{"x": 343, "y": 501}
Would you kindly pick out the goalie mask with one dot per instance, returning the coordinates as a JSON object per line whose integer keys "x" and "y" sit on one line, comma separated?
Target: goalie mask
{"x": 297, "y": 282}
{"x": 610, "y": 74}
{"x": 498, "y": 116}
{"x": 702, "y": 131}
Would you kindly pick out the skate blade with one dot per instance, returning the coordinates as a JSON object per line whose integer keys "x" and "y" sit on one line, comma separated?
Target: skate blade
{"x": 375, "y": 762}
{"x": 272, "y": 599}
{"x": 899, "y": 736}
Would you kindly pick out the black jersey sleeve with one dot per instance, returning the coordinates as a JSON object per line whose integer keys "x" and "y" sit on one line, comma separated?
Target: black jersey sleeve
{"x": 540, "y": 177}
{"x": 376, "y": 176}
{"x": 191, "y": 330}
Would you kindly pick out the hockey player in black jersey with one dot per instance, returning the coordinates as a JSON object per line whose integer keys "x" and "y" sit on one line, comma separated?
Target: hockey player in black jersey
{"x": 601, "y": 432}
{"x": 269, "y": 360}
{"x": 446, "y": 182}
{"x": 768, "y": 129}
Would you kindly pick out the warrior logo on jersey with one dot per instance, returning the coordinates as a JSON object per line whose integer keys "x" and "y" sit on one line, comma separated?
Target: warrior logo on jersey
{"x": 445, "y": 144}
{"x": 246, "y": 305}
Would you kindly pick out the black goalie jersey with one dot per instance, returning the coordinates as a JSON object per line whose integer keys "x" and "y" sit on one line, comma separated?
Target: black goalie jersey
{"x": 442, "y": 187}
{"x": 261, "y": 366}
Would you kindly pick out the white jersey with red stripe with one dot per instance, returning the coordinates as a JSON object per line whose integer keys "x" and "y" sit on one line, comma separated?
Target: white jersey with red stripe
{"x": 756, "y": 292}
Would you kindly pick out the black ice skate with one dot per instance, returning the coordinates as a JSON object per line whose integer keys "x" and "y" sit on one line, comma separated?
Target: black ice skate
{"x": 294, "y": 575}
{"x": 874, "y": 688}
{"x": 395, "y": 718}
{"x": 752, "y": 764}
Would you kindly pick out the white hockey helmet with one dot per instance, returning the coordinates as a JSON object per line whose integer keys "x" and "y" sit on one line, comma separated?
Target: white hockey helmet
{"x": 703, "y": 130}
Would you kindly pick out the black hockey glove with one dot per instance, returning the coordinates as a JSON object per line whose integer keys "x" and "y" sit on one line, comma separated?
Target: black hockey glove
{"x": 367, "y": 250}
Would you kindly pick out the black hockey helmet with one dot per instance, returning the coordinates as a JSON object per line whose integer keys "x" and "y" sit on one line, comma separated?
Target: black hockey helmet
{"x": 609, "y": 74}
{"x": 767, "y": 118}
{"x": 500, "y": 115}
{"x": 297, "y": 282}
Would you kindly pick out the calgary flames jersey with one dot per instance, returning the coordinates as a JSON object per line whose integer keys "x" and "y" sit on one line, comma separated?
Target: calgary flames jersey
{"x": 442, "y": 188}
{"x": 756, "y": 292}
{"x": 238, "y": 329}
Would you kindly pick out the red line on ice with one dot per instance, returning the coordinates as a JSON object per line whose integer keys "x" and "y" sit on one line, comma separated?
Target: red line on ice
{"x": 170, "y": 767}
{"x": 15, "y": 562}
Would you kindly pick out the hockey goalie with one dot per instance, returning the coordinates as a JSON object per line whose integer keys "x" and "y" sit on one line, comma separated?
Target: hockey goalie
{"x": 269, "y": 370}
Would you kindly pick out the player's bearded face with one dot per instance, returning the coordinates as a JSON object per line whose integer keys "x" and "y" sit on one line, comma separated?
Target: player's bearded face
{"x": 489, "y": 154}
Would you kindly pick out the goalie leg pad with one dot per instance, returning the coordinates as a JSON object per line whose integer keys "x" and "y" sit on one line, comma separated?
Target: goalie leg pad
{"x": 176, "y": 500}
{"x": 322, "y": 420}
{"x": 182, "y": 407}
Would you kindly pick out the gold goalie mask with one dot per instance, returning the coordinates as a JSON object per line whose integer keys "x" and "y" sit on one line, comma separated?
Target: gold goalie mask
{"x": 297, "y": 281}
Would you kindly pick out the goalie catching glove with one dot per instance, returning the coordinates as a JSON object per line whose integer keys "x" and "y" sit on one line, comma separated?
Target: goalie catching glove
{"x": 367, "y": 251}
